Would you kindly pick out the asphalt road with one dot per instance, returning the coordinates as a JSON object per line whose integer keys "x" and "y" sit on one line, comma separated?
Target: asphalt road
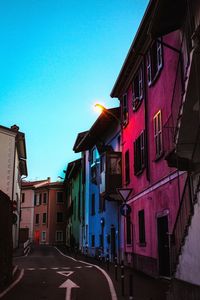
{"x": 50, "y": 275}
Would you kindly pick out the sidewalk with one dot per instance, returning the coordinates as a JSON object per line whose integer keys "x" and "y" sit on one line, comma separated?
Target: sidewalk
{"x": 136, "y": 284}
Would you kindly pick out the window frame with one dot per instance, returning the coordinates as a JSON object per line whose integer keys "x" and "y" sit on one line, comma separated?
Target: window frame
{"x": 124, "y": 109}
{"x": 62, "y": 236}
{"x": 37, "y": 219}
{"x": 43, "y": 236}
{"x": 59, "y": 213}
{"x": 152, "y": 67}
{"x": 44, "y": 220}
{"x": 127, "y": 167}
{"x": 138, "y": 88}
{"x": 158, "y": 135}
{"x": 57, "y": 198}
{"x": 141, "y": 228}
{"x": 140, "y": 153}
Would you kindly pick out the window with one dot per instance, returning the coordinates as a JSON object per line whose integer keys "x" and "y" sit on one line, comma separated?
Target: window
{"x": 40, "y": 198}
{"x": 93, "y": 240}
{"x": 101, "y": 240}
{"x": 94, "y": 156}
{"x": 44, "y": 218}
{"x": 128, "y": 229}
{"x": 137, "y": 89}
{"x": 23, "y": 197}
{"x": 60, "y": 197}
{"x": 154, "y": 61}
{"x": 59, "y": 236}
{"x": 35, "y": 199}
{"x": 102, "y": 203}
{"x": 43, "y": 237}
{"x": 45, "y": 198}
{"x": 37, "y": 219}
{"x": 141, "y": 222}
{"x": 60, "y": 217}
{"x": 157, "y": 120}
{"x": 127, "y": 167}
{"x": 139, "y": 153}
{"x": 124, "y": 109}
{"x": 93, "y": 205}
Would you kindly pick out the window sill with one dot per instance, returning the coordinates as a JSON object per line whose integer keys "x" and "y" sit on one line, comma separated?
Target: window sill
{"x": 139, "y": 172}
{"x": 142, "y": 244}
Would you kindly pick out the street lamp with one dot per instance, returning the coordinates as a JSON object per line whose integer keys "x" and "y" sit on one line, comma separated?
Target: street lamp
{"x": 102, "y": 109}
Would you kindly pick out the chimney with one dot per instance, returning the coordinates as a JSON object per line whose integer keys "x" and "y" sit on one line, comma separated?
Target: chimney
{"x": 15, "y": 128}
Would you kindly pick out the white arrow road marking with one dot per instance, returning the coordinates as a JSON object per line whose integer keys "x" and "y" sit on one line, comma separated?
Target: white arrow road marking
{"x": 65, "y": 273}
{"x": 68, "y": 285}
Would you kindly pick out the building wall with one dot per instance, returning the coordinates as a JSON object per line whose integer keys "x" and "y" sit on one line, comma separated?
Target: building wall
{"x": 7, "y": 150}
{"x": 158, "y": 190}
{"x": 27, "y": 212}
{"x": 40, "y": 209}
{"x": 53, "y": 208}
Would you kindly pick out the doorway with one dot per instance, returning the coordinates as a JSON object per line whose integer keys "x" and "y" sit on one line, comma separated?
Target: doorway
{"x": 113, "y": 243}
{"x": 163, "y": 246}
{"x": 37, "y": 237}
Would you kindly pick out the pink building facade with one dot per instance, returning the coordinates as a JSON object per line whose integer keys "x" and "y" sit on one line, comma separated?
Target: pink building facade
{"x": 43, "y": 212}
{"x": 150, "y": 79}
{"x": 49, "y": 214}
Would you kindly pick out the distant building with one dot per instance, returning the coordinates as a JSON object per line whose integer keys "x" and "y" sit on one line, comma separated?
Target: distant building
{"x": 12, "y": 167}
{"x": 75, "y": 205}
{"x": 49, "y": 223}
{"x": 27, "y": 208}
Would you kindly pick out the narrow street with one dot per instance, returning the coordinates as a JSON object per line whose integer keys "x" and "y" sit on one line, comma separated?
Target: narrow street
{"x": 50, "y": 275}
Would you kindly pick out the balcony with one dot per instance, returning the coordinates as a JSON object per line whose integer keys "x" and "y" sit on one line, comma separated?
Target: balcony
{"x": 110, "y": 174}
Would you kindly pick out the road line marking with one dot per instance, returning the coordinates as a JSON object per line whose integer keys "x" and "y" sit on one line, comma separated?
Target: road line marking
{"x": 54, "y": 268}
{"x": 30, "y": 269}
{"x": 13, "y": 284}
{"x": 78, "y": 267}
{"x": 65, "y": 273}
{"x": 110, "y": 283}
{"x": 65, "y": 268}
{"x": 65, "y": 255}
{"x": 14, "y": 270}
{"x": 42, "y": 269}
{"x": 88, "y": 266}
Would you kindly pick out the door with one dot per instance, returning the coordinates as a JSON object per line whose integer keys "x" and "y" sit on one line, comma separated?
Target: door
{"x": 113, "y": 243}
{"x": 37, "y": 237}
{"x": 163, "y": 246}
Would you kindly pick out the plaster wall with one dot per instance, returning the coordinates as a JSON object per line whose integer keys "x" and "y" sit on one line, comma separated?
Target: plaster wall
{"x": 27, "y": 212}
{"x": 7, "y": 150}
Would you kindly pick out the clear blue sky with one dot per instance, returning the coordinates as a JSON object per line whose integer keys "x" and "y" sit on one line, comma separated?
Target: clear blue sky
{"x": 57, "y": 57}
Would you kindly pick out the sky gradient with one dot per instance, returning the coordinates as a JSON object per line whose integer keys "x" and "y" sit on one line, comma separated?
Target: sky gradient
{"x": 57, "y": 58}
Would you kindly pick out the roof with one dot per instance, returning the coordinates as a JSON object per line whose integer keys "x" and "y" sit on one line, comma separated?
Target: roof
{"x": 160, "y": 18}
{"x": 34, "y": 184}
{"x": 80, "y": 136}
{"x": 108, "y": 118}
{"x": 72, "y": 168}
